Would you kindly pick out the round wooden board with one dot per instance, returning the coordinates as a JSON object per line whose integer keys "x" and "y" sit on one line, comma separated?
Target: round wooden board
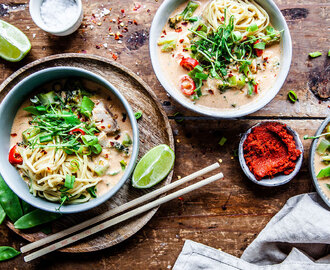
{"x": 154, "y": 129}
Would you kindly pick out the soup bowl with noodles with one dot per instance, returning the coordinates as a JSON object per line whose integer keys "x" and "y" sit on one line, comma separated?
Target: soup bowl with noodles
{"x": 220, "y": 58}
{"x": 69, "y": 140}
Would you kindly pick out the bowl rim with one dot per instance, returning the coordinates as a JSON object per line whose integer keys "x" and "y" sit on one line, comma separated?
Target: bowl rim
{"x": 311, "y": 162}
{"x": 271, "y": 182}
{"x": 211, "y": 112}
{"x": 73, "y": 208}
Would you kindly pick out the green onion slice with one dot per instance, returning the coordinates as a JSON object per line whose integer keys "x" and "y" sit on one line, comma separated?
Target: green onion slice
{"x": 292, "y": 96}
{"x": 69, "y": 181}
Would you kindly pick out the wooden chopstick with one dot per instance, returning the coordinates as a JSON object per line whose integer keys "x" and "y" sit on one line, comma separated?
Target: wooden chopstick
{"x": 120, "y": 218}
{"x": 118, "y": 209}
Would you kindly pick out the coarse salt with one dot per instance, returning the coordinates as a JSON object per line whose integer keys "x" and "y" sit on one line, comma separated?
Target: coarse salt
{"x": 58, "y": 14}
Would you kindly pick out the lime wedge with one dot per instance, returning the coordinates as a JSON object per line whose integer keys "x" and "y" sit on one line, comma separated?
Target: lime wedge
{"x": 14, "y": 44}
{"x": 153, "y": 167}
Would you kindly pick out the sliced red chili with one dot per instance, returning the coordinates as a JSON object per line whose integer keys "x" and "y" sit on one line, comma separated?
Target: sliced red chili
{"x": 256, "y": 88}
{"x": 77, "y": 130}
{"x": 259, "y": 52}
{"x": 189, "y": 63}
{"x": 187, "y": 85}
{"x": 14, "y": 156}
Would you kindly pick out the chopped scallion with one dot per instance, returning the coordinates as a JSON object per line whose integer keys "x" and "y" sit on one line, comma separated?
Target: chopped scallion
{"x": 292, "y": 96}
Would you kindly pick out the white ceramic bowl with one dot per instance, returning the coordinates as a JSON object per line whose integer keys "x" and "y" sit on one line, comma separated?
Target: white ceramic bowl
{"x": 277, "y": 20}
{"x": 34, "y": 8}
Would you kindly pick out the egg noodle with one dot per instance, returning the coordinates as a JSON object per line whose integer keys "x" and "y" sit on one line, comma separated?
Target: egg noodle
{"x": 245, "y": 12}
{"x": 46, "y": 168}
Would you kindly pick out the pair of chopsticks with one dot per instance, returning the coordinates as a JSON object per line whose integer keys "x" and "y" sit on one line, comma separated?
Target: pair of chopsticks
{"x": 106, "y": 224}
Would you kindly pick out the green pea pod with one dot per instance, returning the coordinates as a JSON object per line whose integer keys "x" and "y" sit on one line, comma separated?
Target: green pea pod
{"x": 26, "y": 207}
{"x": 35, "y": 218}
{"x": 7, "y": 253}
{"x": 2, "y": 214}
{"x": 9, "y": 202}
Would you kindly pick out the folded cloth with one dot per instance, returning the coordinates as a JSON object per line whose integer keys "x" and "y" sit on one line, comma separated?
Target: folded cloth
{"x": 297, "y": 237}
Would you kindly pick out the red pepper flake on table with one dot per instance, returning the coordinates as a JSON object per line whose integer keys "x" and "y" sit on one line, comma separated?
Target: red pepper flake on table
{"x": 269, "y": 149}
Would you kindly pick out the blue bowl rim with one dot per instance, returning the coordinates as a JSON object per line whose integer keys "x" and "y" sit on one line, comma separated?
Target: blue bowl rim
{"x": 311, "y": 162}
{"x": 74, "y": 208}
{"x": 230, "y": 114}
{"x": 271, "y": 182}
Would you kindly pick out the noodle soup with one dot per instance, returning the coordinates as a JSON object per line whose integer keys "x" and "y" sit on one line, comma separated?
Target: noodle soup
{"x": 322, "y": 162}
{"x": 220, "y": 54}
{"x": 71, "y": 142}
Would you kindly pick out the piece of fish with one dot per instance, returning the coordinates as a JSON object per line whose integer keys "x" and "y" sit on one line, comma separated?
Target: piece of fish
{"x": 104, "y": 119}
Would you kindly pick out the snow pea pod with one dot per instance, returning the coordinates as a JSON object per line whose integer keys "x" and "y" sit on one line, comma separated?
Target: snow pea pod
{"x": 7, "y": 253}
{"x": 9, "y": 201}
{"x": 26, "y": 207}
{"x": 35, "y": 218}
{"x": 2, "y": 214}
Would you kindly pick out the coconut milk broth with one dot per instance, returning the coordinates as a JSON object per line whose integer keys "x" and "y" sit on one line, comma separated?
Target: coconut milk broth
{"x": 231, "y": 99}
{"x": 22, "y": 118}
{"x": 318, "y": 166}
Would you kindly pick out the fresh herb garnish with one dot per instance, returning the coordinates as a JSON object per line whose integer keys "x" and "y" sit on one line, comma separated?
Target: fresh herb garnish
{"x": 222, "y": 49}
{"x": 63, "y": 120}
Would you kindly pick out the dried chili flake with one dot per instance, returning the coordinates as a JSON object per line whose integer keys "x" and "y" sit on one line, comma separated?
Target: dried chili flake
{"x": 184, "y": 23}
{"x": 13, "y": 134}
{"x": 211, "y": 91}
{"x": 135, "y": 22}
{"x": 97, "y": 47}
{"x": 122, "y": 10}
{"x": 117, "y": 137}
{"x": 114, "y": 57}
{"x": 179, "y": 29}
{"x": 181, "y": 40}
{"x": 136, "y": 7}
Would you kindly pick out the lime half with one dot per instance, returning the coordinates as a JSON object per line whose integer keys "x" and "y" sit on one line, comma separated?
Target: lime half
{"x": 14, "y": 44}
{"x": 153, "y": 167}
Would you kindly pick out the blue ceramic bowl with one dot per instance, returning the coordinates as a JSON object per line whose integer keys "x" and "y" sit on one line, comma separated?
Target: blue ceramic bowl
{"x": 279, "y": 179}
{"x": 8, "y": 109}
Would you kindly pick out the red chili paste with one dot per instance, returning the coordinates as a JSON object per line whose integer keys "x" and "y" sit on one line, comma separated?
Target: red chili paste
{"x": 269, "y": 149}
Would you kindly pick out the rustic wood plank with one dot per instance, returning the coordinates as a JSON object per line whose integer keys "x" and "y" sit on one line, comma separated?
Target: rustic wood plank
{"x": 209, "y": 215}
{"x": 228, "y": 214}
{"x": 306, "y": 75}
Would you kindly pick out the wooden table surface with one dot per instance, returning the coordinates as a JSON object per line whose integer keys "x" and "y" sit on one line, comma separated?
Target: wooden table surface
{"x": 226, "y": 215}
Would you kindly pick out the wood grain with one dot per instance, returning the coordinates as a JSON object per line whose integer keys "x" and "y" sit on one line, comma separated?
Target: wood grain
{"x": 227, "y": 215}
{"x": 154, "y": 129}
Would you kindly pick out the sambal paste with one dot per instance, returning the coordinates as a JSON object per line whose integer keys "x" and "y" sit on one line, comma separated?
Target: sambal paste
{"x": 269, "y": 149}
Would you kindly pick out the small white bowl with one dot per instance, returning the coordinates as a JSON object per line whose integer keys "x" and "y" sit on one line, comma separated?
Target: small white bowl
{"x": 277, "y": 20}
{"x": 34, "y": 8}
{"x": 278, "y": 179}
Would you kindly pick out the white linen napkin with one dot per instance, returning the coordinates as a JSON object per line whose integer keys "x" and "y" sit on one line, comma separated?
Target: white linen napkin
{"x": 297, "y": 237}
